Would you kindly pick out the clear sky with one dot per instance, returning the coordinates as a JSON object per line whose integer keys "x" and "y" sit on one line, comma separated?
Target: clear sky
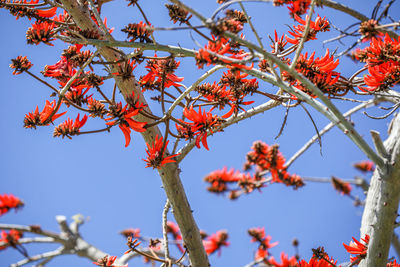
{"x": 95, "y": 175}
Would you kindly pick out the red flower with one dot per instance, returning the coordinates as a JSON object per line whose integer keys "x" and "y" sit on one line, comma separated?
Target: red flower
{"x": 393, "y": 264}
{"x": 201, "y": 123}
{"x": 357, "y": 248}
{"x": 161, "y": 71}
{"x": 382, "y": 76}
{"x": 341, "y": 186}
{"x": 317, "y": 263}
{"x": 8, "y": 202}
{"x": 220, "y": 178}
{"x": 20, "y": 64}
{"x": 9, "y": 239}
{"x": 124, "y": 119}
{"x": 107, "y": 261}
{"x": 41, "y": 31}
{"x": 69, "y": 127}
{"x": 298, "y": 7}
{"x": 320, "y": 24}
{"x": 33, "y": 119}
{"x": 365, "y": 166}
{"x": 215, "y": 242}
{"x": 285, "y": 261}
{"x": 155, "y": 154}
{"x": 259, "y": 236}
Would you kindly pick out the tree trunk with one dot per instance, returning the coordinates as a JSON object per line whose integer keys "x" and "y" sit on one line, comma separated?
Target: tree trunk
{"x": 382, "y": 202}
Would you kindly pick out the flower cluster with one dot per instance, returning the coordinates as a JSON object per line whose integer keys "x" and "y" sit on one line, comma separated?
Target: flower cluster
{"x": 219, "y": 51}
{"x": 320, "y": 71}
{"x": 69, "y": 127}
{"x": 177, "y": 13}
{"x": 43, "y": 118}
{"x": 139, "y": 31}
{"x": 357, "y": 248}
{"x": 41, "y": 31}
{"x": 8, "y": 202}
{"x": 20, "y": 64}
{"x": 216, "y": 241}
{"x": 156, "y": 154}
{"x": 368, "y": 30}
{"x": 160, "y": 73}
{"x": 382, "y": 58}
{"x": 269, "y": 158}
{"x": 296, "y": 7}
{"x": 341, "y": 186}
{"x": 9, "y": 239}
{"x": 319, "y": 25}
{"x": 264, "y": 243}
{"x": 123, "y": 118}
{"x": 365, "y": 166}
{"x": 202, "y": 122}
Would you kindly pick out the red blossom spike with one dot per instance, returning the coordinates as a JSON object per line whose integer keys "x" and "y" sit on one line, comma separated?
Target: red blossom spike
{"x": 69, "y": 127}
{"x": 313, "y": 262}
{"x": 33, "y": 119}
{"x": 20, "y": 64}
{"x": 357, "y": 248}
{"x": 9, "y": 239}
{"x": 41, "y": 31}
{"x": 215, "y": 242}
{"x": 319, "y": 25}
{"x": 155, "y": 154}
{"x": 285, "y": 261}
{"x": 341, "y": 186}
{"x": 8, "y": 202}
{"x": 365, "y": 166}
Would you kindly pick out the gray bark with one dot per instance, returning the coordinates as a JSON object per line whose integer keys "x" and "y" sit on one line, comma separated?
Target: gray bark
{"x": 380, "y": 213}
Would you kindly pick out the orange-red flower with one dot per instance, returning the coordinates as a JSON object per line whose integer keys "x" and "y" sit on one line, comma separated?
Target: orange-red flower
{"x": 341, "y": 186}
{"x": 33, "y": 119}
{"x": 69, "y": 127}
{"x": 161, "y": 73}
{"x": 317, "y": 263}
{"x": 357, "y": 248}
{"x": 219, "y": 179}
{"x": 216, "y": 241}
{"x": 41, "y": 31}
{"x": 155, "y": 154}
{"x": 319, "y": 25}
{"x": 8, "y": 202}
{"x": 285, "y": 261}
{"x": 259, "y": 236}
{"x": 123, "y": 116}
{"x": 20, "y": 64}
{"x": 365, "y": 166}
{"x": 107, "y": 261}
{"x": 9, "y": 239}
{"x": 202, "y": 121}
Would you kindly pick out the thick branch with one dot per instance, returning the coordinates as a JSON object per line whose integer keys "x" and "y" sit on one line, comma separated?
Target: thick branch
{"x": 382, "y": 202}
{"x": 170, "y": 172}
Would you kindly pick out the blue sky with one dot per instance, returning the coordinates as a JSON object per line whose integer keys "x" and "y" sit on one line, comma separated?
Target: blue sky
{"x": 95, "y": 175}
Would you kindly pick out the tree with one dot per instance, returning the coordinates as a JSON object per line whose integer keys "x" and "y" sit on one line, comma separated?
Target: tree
{"x": 253, "y": 75}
